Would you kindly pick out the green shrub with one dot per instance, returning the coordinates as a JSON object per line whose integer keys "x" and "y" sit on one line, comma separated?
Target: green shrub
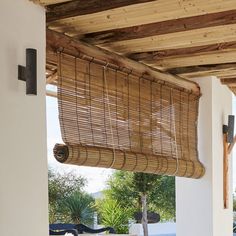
{"x": 78, "y": 208}
{"x": 113, "y": 215}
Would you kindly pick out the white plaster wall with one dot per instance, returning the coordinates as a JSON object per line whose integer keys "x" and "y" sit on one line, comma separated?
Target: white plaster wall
{"x": 221, "y": 105}
{"x": 168, "y": 229}
{"x": 23, "y": 157}
{"x": 199, "y": 203}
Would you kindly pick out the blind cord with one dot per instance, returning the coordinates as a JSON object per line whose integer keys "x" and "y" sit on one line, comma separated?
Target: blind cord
{"x": 109, "y": 112}
{"x": 176, "y": 147}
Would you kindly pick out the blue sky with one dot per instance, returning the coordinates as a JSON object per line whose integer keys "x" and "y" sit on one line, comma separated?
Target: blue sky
{"x": 96, "y": 176}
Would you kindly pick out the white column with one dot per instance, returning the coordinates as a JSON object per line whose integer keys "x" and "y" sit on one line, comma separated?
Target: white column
{"x": 23, "y": 151}
{"x": 199, "y": 203}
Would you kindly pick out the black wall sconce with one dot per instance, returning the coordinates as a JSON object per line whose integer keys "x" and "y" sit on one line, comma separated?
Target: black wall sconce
{"x": 229, "y": 129}
{"x": 28, "y": 73}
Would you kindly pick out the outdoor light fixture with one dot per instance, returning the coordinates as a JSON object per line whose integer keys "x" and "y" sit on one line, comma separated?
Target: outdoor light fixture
{"x": 28, "y": 73}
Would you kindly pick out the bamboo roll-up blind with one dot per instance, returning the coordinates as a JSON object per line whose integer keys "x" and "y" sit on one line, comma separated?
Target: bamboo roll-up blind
{"x": 113, "y": 118}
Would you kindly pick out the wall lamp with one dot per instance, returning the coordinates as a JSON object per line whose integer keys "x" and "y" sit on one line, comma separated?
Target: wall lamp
{"x": 28, "y": 73}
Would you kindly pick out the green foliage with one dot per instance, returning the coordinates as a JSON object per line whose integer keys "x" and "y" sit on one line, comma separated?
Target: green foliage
{"x": 144, "y": 183}
{"x": 114, "y": 215}
{"x": 62, "y": 185}
{"x": 52, "y": 213}
{"x": 120, "y": 188}
{"x": 162, "y": 197}
{"x": 125, "y": 188}
{"x": 78, "y": 208}
{"x": 64, "y": 188}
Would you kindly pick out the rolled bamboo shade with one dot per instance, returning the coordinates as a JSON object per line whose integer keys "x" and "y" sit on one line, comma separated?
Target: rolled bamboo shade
{"x": 114, "y": 118}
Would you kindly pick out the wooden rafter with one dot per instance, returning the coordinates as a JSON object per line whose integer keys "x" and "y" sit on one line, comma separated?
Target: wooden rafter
{"x": 162, "y": 54}
{"x": 82, "y": 7}
{"x": 193, "y": 38}
{"x": 233, "y": 89}
{"x": 229, "y": 81}
{"x": 203, "y": 68}
{"x": 159, "y": 28}
{"x": 186, "y": 39}
{"x": 211, "y": 58}
{"x": 224, "y": 75}
{"x": 49, "y": 2}
{"x": 51, "y": 93}
{"x": 229, "y": 76}
{"x": 138, "y": 14}
{"x": 222, "y": 71}
{"x": 73, "y": 47}
{"x": 51, "y": 78}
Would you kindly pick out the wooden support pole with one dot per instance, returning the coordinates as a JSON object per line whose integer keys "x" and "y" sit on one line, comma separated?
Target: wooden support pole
{"x": 226, "y": 172}
{"x": 227, "y": 149}
{"x": 231, "y": 146}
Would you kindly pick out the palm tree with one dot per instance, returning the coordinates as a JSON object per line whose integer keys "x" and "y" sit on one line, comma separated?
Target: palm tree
{"x": 78, "y": 208}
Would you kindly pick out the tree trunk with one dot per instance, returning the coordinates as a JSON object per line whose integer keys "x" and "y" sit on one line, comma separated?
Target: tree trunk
{"x": 144, "y": 214}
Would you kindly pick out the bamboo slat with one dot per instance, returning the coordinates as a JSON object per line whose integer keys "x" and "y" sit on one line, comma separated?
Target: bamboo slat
{"x": 129, "y": 161}
{"x": 113, "y": 119}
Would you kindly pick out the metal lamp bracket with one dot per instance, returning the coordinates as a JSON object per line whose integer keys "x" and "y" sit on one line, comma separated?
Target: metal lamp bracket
{"x": 28, "y": 73}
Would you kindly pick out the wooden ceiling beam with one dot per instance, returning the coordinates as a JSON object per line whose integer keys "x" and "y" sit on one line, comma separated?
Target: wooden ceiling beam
{"x": 162, "y": 54}
{"x": 138, "y": 14}
{"x": 233, "y": 89}
{"x": 51, "y": 78}
{"x": 203, "y": 68}
{"x": 51, "y": 93}
{"x": 73, "y": 47}
{"x": 208, "y": 58}
{"x": 48, "y": 2}
{"x": 183, "y": 39}
{"x": 229, "y": 81}
{"x": 85, "y": 7}
{"x": 222, "y": 74}
{"x": 159, "y": 28}
{"x": 228, "y": 75}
